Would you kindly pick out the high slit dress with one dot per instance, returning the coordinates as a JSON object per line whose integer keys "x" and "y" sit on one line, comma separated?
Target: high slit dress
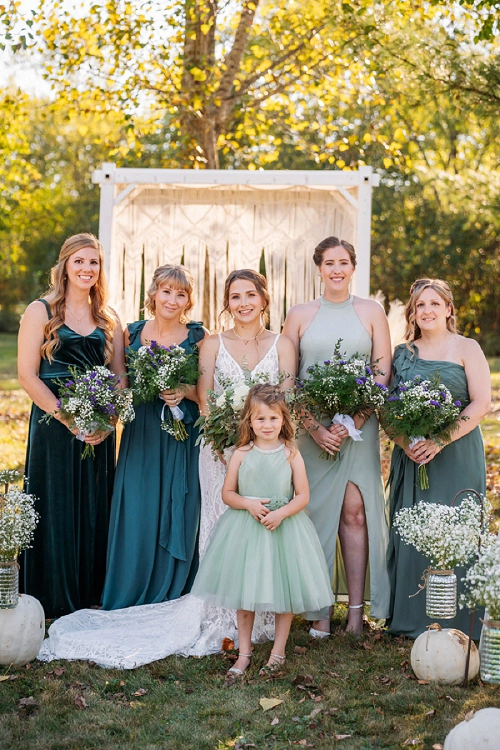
{"x": 359, "y": 463}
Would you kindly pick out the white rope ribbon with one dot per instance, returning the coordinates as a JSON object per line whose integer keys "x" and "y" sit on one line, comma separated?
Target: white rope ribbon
{"x": 348, "y": 422}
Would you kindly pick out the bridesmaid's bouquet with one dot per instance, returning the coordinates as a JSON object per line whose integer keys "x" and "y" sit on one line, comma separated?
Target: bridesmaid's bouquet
{"x": 421, "y": 410}
{"x": 339, "y": 388}
{"x": 156, "y": 368}
{"x": 219, "y": 428}
{"x": 92, "y": 401}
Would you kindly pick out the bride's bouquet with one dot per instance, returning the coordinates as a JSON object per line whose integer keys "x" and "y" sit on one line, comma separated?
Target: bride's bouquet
{"x": 156, "y": 368}
{"x": 92, "y": 401}
{"x": 339, "y": 388}
{"x": 219, "y": 428}
{"x": 421, "y": 410}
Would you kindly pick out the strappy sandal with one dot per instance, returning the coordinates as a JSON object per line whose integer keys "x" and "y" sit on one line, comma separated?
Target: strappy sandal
{"x": 275, "y": 664}
{"x": 318, "y": 634}
{"x": 234, "y": 674}
{"x": 350, "y": 632}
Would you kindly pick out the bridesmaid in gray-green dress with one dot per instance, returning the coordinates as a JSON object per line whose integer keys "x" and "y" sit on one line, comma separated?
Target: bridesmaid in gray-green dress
{"x": 155, "y": 510}
{"x": 434, "y": 347}
{"x": 347, "y": 501}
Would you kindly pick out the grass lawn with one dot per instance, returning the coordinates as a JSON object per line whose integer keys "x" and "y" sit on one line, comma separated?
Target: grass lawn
{"x": 341, "y": 693}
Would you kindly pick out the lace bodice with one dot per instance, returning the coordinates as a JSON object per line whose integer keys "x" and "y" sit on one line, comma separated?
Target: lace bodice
{"x": 228, "y": 367}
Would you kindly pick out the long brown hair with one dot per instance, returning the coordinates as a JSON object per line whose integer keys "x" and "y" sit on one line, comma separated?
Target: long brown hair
{"x": 175, "y": 276}
{"x": 412, "y": 330}
{"x": 274, "y": 398}
{"x": 101, "y": 313}
{"x": 260, "y": 283}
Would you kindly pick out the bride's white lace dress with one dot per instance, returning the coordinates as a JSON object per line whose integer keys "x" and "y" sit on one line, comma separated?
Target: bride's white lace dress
{"x": 128, "y": 638}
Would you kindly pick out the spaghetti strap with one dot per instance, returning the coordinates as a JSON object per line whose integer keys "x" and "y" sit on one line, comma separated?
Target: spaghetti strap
{"x": 47, "y": 307}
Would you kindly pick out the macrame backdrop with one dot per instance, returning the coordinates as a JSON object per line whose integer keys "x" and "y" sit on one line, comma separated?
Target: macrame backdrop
{"x": 214, "y": 230}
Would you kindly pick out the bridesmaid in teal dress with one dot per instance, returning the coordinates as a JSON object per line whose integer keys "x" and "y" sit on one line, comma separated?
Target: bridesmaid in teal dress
{"x": 347, "y": 501}
{"x": 72, "y": 325}
{"x": 434, "y": 347}
{"x": 152, "y": 549}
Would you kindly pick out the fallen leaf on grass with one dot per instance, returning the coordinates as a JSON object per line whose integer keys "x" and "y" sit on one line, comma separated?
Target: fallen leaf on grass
{"x": 447, "y": 697}
{"x": 341, "y": 736}
{"x": 58, "y": 671}
{"x": 300, "y": 650}
{"x": 80, "y": 702}
{"x": 415, "y": 741}
{"x": 431, "y": 713}
{"x": 469, "y": 715}
{"x": 27, "y": 702}
{"x": 302, "y": 699}
{"x": 4, "y": 677}
{"x": 437, "y": 746}
{"x": 303, "y": 679}
{"x": 275, "y": 721}
{"x": 227, "y": 644}
{"x": 423, "y": 682}
{"x": 268, "y": 703}
{"x": 315, "y": 712}
{"x": 303, "y": 743}
{"x": 140, "y": 692}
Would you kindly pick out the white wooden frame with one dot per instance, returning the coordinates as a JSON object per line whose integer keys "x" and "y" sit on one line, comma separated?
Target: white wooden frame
{"x": 364, "y": 179}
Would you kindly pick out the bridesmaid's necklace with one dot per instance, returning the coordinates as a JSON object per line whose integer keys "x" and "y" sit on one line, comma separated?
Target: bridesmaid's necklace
{"x": 78, "y": 320}
{"x": 253, "y": 338}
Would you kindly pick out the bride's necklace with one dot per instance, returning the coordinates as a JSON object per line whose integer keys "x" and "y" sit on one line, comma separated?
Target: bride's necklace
{"x": 78, "y": 320}
{"x": 252, "y": 338}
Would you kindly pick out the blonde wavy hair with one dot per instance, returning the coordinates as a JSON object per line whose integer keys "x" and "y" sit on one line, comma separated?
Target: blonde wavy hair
{"x": 177, "y": 277}
{"x": 412, "y": 330}
{"x": 102, "y": 315}
{"x": 274, "y": 398}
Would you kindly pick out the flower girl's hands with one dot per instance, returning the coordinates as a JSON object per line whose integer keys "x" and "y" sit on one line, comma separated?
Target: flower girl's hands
{"x": 273, "y": 519}
{"x": 172, "y": 397}
{"x": 424, "y": 451}
{"x": 258, "y": 509}
{"x": 327, "y": 441}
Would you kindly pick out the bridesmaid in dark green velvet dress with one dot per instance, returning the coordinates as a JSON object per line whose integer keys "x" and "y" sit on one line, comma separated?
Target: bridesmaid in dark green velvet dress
{"x": 72, "y": 325}
{"x": 435, "y": 347}
{"x": 152, "y": 550}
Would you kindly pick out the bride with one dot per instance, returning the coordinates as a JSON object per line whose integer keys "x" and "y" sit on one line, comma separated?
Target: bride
{"x": 128, "y": 638}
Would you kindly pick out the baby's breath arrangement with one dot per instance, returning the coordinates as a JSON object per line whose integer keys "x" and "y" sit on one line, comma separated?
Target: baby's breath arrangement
{"x": 339, "y": 388}
{"x": 447, "y": 536}
{"x": 18, "y": 518}
{"x": 156, "y": 368}
{"x": 482, "y": 581}
{"x": 92, "y": 402}
{"x": 220, "y": 428}
{"x": 418, "y": 410}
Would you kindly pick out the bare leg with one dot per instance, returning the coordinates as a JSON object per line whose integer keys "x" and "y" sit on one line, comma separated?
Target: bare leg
{"x": 323, "y": 625}
{"x": 245, "y": 624}
{"x": 283, "y": 622}
{"x": 353, "y": 535}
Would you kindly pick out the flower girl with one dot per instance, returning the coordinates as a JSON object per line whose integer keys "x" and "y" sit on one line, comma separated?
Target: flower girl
{"x": 265, "y": 554}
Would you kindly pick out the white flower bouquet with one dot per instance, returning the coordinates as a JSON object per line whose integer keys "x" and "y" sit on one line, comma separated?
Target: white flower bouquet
{"x": 219, "y": 428}
{"x": 339, "y": 388}
{"x": 156, "y": 368}
{"x": 92, "y": 402}
{"x": 447, "y": 536}
{"x": 482, "y": 581}
{"x": 18, "y": 518}
{"x": 419, "y": 410}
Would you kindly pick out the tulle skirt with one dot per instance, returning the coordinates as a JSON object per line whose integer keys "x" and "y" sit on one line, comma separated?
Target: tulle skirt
{"x": 249, "y": 567}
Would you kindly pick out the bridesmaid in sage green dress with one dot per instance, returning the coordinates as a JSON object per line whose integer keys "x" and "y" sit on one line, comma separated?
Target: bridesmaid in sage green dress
{"x": 152, "y": 549}
{"x": 347, "y": 501}
{"x": 71, "y": 326}
{"x": 434, "y": 347}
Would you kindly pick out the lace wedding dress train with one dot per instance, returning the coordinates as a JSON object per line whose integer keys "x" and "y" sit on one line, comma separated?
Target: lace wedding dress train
{"x": 128, "y": 638}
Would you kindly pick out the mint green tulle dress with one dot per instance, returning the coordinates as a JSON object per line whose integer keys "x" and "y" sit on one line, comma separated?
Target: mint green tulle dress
{"x": 249, "y": 567}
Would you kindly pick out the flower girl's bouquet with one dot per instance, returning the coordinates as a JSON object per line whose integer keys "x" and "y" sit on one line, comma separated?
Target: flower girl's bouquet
{"x": 447, "y": 535}
{"x": 18, "y": 518}
{"x": 156, "y": 368}
{"x": 419, "y": 410}
{"x": 92, "y": 402}
{"x": 339, "y": 388}
{"x": 219, "y": 428}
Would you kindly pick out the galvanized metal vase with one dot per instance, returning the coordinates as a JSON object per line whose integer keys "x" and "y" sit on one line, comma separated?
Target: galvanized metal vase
{"x": 441, "y": 594}
{"x": 489, "y": 651}
{"x": 9, "y": 584}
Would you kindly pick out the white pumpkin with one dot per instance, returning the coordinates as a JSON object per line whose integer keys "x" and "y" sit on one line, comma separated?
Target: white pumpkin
{"x": 481, "y": 732}
{"x": 439, "y": 655}
{"x": 22, "y": 631}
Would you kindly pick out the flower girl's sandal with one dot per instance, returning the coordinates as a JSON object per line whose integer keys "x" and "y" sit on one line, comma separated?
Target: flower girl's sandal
{"x": 273, "y": 666}
{"x": 234, "y": 674}
{"x": 318, "y": 634}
